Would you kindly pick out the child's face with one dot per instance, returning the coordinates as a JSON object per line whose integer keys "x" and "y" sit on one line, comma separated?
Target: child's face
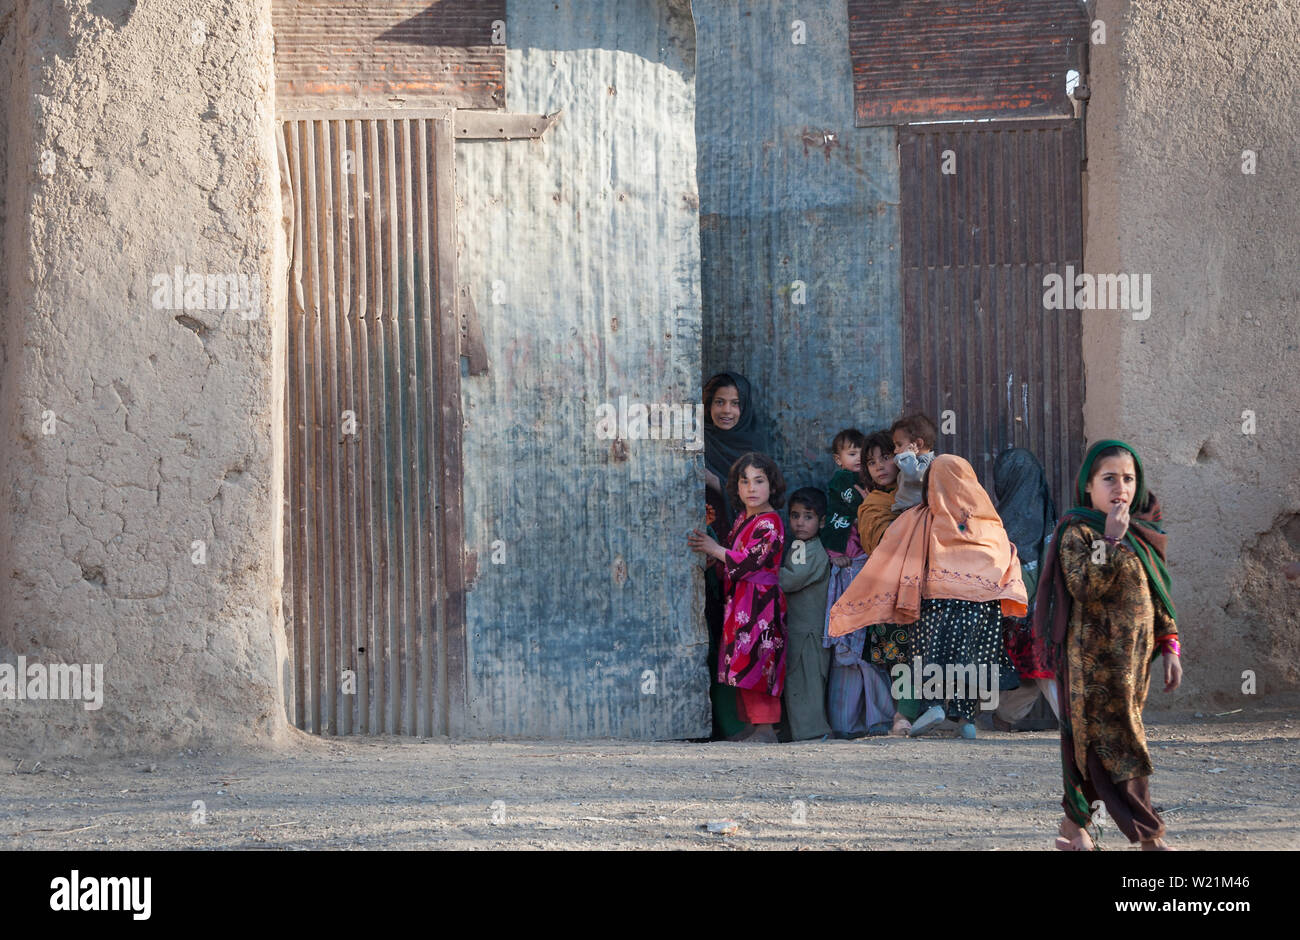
{"x": 1114, "y": 481}
{"x": 883, "y": 470}
{"x": 904, "y": 441}
{"x": 753, "y": 487}
{"x": 849, "y": 457}
{"x": 724, "y": 410}
{"x": 804, "y": 523}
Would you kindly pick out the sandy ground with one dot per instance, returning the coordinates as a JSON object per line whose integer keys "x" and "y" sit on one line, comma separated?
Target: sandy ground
{"x": 1222, "y": 783}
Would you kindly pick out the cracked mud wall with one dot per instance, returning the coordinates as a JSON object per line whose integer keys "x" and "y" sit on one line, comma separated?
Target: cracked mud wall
{"x": 1180, "y": 89}
{"x": 140, "y": 140}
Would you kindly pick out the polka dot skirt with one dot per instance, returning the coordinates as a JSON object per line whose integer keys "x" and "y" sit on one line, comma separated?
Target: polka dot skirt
{"x": 961, "y": 633}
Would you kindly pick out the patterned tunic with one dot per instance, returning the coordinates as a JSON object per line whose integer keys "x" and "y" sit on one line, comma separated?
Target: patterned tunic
{"x": 1111, "y": 640}
{"x": 752, "y": 655}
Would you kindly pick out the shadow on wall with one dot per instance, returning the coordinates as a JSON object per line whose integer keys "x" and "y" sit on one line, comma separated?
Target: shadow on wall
{"x": 570, "y": 28}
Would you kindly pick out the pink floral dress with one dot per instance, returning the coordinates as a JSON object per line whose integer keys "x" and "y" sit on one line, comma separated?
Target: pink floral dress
{"x": 752, "y": 654}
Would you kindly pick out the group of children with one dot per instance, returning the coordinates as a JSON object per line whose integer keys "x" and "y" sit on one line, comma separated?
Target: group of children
{"x": 903, "y": 561}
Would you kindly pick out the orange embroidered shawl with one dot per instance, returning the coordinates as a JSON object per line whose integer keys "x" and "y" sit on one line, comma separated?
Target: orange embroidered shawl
{"x": 953, "y": 545}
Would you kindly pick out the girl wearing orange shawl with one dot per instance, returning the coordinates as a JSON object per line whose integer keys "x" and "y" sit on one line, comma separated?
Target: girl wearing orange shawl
{"x": 947, "y": 567}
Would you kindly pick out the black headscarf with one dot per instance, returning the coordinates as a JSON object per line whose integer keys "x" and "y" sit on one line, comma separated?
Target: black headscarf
{"x": 723, "y": 448}
{"x": 1026, "y": 507}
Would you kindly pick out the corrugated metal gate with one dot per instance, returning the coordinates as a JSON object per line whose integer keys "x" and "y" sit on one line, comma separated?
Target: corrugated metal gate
{"x": 976, "y": 245}
{"x": 373, "y": 530}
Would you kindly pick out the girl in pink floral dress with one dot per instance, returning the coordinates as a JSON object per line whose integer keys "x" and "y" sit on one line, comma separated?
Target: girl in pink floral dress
{"x": 752, "y": 655}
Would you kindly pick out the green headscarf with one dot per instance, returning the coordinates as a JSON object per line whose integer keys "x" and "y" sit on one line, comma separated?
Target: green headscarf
{"x": 1145, "y": 535}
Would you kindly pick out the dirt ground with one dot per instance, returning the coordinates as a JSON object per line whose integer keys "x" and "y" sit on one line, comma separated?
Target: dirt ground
{"x": 1222, "y": 782}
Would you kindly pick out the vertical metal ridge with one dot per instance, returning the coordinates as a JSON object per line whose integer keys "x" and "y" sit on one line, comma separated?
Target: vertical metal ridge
{"x": 392, "y": 450}
{"x": 426, "y": 537}
{"x": 393, "y": 610}
{"x": 407, "y": 394}
{"x": 297, "y": 431}
{"x": 361, "y": 399}
{"x": 452, "y": 644}
{"x": 327, "y": 324}
{"x": 346, "y": 446}
{"x": 316, "y": 585}
{"x": 376, "y": 464}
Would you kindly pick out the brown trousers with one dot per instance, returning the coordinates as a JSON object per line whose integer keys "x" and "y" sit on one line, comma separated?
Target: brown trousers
{"x": 1127, "y": 802}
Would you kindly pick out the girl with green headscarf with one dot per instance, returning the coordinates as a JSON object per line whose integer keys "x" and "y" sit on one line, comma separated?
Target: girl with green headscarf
{"x": 1103, "y": 603}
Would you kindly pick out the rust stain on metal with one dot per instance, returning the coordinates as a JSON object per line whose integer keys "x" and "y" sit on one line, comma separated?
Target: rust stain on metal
{"x": 826, "y": 141}
{"x": 936, "y": 59}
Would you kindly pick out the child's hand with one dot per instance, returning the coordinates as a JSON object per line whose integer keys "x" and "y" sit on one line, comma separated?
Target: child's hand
{"x": 700, "y": 542}
{"x": 1173, "y": 671}
{"x": 839, "y": 561}
{"x": 1117, "y": 521}
{"x": 861, "y": 490}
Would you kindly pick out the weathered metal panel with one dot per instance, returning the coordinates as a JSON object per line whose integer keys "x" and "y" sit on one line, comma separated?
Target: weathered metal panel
{"x": 448, "y": 53}
{"x": 580, "y": 251}
{"x": 977, "y": 244}
{"x": 373, "y": 409}
{"x": 791, "y": 191}
{"x": 927, "y": 60}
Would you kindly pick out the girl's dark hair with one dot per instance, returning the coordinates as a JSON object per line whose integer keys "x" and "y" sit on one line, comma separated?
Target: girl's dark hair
{"x": 715, "y": 385}
{"x": 918, "y": 426}
{"x": 768, "y": 466}
{"x": 876, "y": 439}
{"x": 811, "y": 498}
{"x": 849, "y": 437}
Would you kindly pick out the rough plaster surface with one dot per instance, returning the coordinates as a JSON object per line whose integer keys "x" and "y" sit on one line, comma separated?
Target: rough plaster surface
{"x": 160, "y": 136}
{"x": 1180, "y": 89}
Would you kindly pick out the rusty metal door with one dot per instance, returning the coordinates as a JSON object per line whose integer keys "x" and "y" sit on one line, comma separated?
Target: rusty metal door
{"x": 977, "y": 243}
{"x": 373, "y": 596}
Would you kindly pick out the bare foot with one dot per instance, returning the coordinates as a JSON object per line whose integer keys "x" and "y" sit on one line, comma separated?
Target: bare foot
{"x": 1156, "y": 845}
{"x": 763, "y": 734}
{"x": 1073, "y": 837}
{"x": 901, "y": 727}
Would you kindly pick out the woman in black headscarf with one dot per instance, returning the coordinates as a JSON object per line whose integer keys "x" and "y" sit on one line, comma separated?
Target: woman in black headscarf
{"x": 730, "y": 432}
{"x": 1029, "y": 516}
